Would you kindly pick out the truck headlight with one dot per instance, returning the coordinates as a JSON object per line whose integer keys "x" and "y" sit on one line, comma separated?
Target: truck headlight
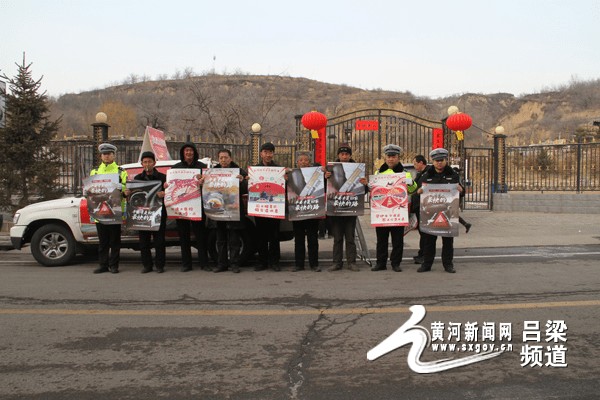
{"x": 16, "y": 218}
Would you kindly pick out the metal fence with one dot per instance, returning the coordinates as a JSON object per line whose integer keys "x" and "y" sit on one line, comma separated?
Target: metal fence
{"x": 77, "y": 156}
{"x": 568, "y": 167}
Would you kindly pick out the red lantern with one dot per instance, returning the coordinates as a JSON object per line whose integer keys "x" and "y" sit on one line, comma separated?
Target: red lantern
{"x": 459, "y": 122}
{"x": 314, "y": 121}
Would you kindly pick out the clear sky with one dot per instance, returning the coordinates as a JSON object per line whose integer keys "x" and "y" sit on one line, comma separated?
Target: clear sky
{"x": 430, "y": 48}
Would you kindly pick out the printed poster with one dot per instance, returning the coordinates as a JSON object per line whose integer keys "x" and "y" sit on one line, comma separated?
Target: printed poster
{"x": 439, "y": 209}
{"x": 154, "y": 141}
{"x": 389, "y": 200}
{"x": 221, "y": 193}
{"x": 183, "y": 197}
{"x": 266, "y": 192}
{"x": 144, "y": 207}
{"x": 103, "y": 193}
{"x": 306, "y": 193}
{"x": 345, "y": 194}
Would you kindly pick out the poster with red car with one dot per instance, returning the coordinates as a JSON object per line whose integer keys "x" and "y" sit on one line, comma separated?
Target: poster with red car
{"x": 183, "y": 196}
{"x": 389, "y": 200}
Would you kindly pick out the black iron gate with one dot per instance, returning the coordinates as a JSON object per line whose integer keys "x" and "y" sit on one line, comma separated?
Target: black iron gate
{"x": 478, "y": 178}
{"x": 414, "y": 134}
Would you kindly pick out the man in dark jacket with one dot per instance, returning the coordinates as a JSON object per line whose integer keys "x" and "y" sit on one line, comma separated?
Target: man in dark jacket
{"x": 269, "y": 250}
{"x": 392, "y": 166}
{"x": 440, "y": 173}
{"x": 151, "y": 174}
{"x": 344, "y": 226}
{"x": 189, "y": 159}
{"x": 228, "y": 232}
{"x": 420, "y": 164}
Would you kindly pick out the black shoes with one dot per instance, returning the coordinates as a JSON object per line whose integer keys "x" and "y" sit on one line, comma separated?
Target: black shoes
{"x": 146, "y": 270}
{"x": 468, "y": 226}
{"x": 396, "y": 268}
{"x": 259, "y": 268}
{"x": 206, "y": 268}
{"x": 159, "y": 270}
{"x": 298, "y": 269}
{"x": 424, "y": 269}
{"x": 334, "y": 268}
{"x": 378, "y": 268}
{"x": 315, "y": 269}
{"x": 418, "y": 260}
{"x": 275, "y": 267}
{"x": 100, "y": 270}
{"x": 450, "y": 269}
{"x": 220, "y": 269}
{"x": 114, "y": 270}
{"x": 235, "y": 270}
{"x": 186, "y": 269}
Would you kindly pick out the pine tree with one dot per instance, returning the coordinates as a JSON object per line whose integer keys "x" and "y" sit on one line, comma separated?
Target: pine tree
{"x": 29, "y": 165}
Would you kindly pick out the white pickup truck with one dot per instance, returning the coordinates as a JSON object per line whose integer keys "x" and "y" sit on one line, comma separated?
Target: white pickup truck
{"x": 59, "y": 229}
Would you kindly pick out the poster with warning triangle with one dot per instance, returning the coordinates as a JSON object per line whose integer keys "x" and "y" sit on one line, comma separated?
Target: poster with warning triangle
{"x": 439, "y": 209}
{"x": 104, "y": 198}
{"x": 389, "y": 200}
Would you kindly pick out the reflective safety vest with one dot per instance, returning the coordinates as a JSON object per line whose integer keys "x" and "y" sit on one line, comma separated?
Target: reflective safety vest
{"x": 411, "y": 189}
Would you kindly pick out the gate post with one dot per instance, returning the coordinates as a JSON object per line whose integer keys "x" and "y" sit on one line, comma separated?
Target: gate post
{"x": 100, "y": 135}
{"x": 499, "y": 164}
{"x": 255, "y": 135}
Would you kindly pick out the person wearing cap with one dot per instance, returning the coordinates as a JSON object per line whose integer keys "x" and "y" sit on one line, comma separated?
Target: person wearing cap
{"x": 392, "y": 165}
{"x": 109, "y": 236}
{"x": 307, "y": 228}
{"x": 150, "y": 173}
{"x": 189, "y": 159}
{"x": 269, "y": 250}
{"x": 440, "y": 173}
{"x": 344, "y": 226}
{"x": 420, "y": 164}
{"x": 228, "y": 232}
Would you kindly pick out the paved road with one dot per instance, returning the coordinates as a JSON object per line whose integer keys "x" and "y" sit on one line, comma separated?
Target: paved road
{"x": 67, "y": 334}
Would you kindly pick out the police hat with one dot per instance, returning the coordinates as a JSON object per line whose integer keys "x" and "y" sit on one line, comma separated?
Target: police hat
{"x": 267, "y": 146}
{"x": 148, "y": 154}
{"x": 107, "y": 148}
{"x": 392, "y": 150}
{"x": 438, "y": 154}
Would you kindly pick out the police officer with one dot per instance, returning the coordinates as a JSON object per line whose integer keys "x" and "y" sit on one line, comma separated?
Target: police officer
{"x": 392, "y": 165}
{"x": 440, "y": 173}
{"x": 150, "y": 173}
{"x": 109, "y": 236}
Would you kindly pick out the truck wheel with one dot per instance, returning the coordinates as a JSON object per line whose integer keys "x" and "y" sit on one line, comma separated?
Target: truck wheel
{"x": 53, "y": 245}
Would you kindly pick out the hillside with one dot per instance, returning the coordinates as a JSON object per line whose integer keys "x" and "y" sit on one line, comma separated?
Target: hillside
{"x": 224, "y": 107}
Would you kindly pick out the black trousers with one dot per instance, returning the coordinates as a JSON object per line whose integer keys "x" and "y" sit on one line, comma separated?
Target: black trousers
{"x": 269, "y": 251}
{"x": 159, "y": 245}
{"x": 309, "y": 229}
{"x": 109, "y": 245}
{"x": 397, "y": 233}
{"x": 228, "y": 238}
{"x": 421, "y": 242}
{"x": 429, "y": 250}
{"x": 185, "y": 227}
{"x": 343, "y": 227}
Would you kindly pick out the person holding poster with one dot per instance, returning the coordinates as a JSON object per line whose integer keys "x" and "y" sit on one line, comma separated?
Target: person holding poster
{"x": 308, "y": 227}
{"x": 152, "y": 174}
{"x": 109, "y": 236}
{"x": 228, "y": 232}
{"x": 269, "y": 251}
{"x": 420, "y": 164}
{"x": 189, "y": 159}
{"x": 441, "y": 173}
{"x": 344, "y": 226}
{"x": 392, "y": 165}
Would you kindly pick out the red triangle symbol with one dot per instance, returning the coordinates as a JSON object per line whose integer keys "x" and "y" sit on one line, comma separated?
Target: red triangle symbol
{"x": 441, "y": 221}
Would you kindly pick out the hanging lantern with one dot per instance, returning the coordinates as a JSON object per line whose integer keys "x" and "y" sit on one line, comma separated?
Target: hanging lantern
{"x": 459, "y": 122}
{"x": 314, "y": 121}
